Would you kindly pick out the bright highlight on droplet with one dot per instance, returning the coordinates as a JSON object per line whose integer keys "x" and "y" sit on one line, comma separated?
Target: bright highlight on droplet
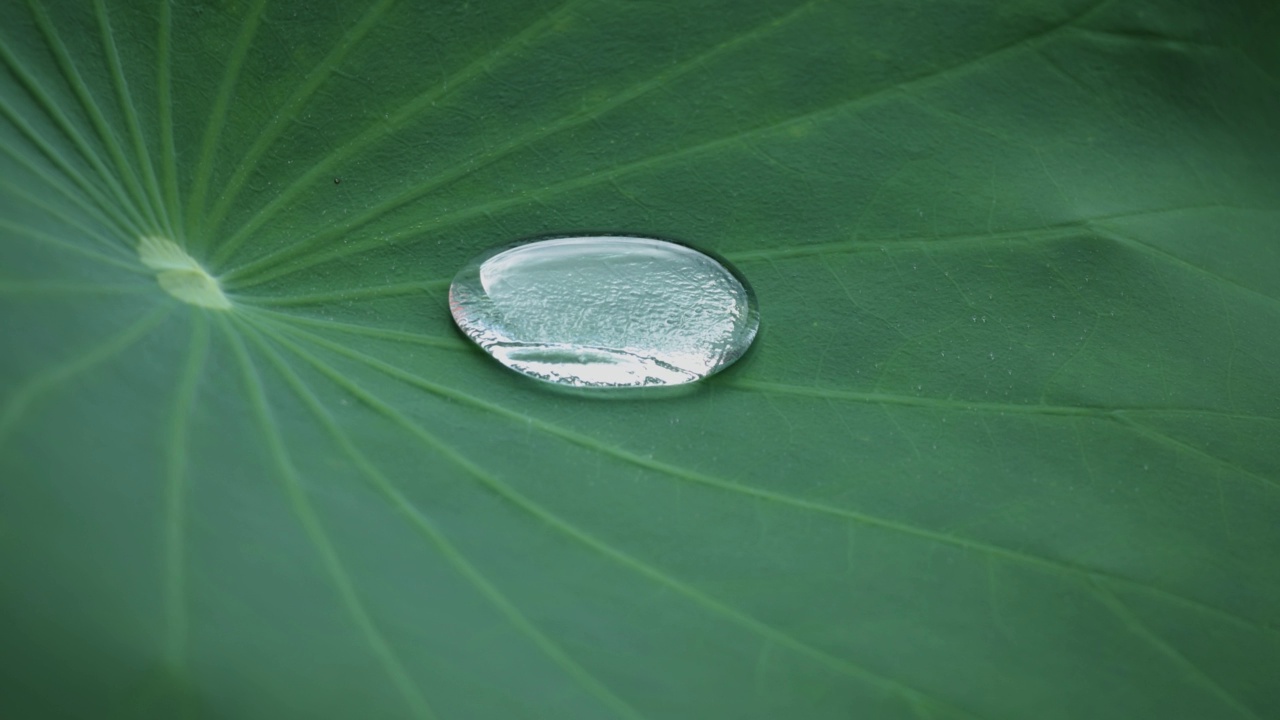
{"x": 180, "y": 275}
{"x": 605, "y": 312}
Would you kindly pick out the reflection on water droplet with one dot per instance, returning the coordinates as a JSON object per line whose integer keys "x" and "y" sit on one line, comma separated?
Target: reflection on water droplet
{"x": 603, "y": 311}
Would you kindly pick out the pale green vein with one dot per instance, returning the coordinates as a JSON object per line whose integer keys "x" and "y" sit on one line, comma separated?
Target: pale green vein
{"x": 90, "y": 105}
{"x": 427, "y": 529}
{"x": 1163, "y": 439}
{"x": 164, "y": 101}
{"x": 957, "y": 118}
{"x": 1113, "y": 113}
{"x": 1140, "y": 37}
{"x": 1115, "y": 414}
{"x": 306, "y": 514}
{"x": 62, "y": 216}
{"x": 601, "y": 547}
{"x": 287, "y": 112}
{"x": 53, "y": 378}
{"x": 1061, "y": 567}
{"x": 1065, "y": 231}
{"x": 175, "y": 497}
{"x": 129, "y": 225}
{"x": 55, "y": 113}
{"x": 218, "y": 115}
{"x": 260, "y": 271}
{"x": 448, "y": 343}
{"x": 1194, "y": 412}
{"x": 1189, "y": 669}
{"x": 880, "y": 398}
{"x": 35, "y": 288}
{"x": 72, "y": 247}
{"x": 517, "y": 141}
{"x": 922, "y": 711}
{"x": 130, "y": 113}
{"x": 1202, "y": 207}
{"x": 381, "y": 128}
{"x": 1057, "y": 231}
{"x": 1149, "y": 249}
{"x": 341, "y": 296}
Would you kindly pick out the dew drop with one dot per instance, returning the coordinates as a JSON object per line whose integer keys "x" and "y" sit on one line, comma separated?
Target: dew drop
{"x": 605, "y": 311}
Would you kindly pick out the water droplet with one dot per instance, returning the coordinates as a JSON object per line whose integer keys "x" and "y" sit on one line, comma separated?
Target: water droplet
{"x": 604, "y": 311}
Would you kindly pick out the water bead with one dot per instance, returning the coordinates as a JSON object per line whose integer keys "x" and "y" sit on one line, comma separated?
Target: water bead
{"x": 605, "y": 311}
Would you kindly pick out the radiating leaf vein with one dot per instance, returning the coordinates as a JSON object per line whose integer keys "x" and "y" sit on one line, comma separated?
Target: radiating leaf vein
{"x": 428, "y": 530}
{"x": 1075, "y": 572}
{"x": 266, "y": 268}
{"x": 306, "y": 515}
{"x": 59, "y": 118}
{"x": 1190, "y": 669}
{"x": 87, "y": 359}
{"x": 590, "y": 541}
{"x": 154, "y": 202}
{"x": 379, "y": 129}
{"x": 177, "y": 463}
{"x": 473, "y": 164}
{"x": 218, "y": 113}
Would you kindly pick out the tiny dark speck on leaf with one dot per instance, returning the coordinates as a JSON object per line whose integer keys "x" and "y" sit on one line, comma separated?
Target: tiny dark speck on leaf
{"x": 337, "y": 181}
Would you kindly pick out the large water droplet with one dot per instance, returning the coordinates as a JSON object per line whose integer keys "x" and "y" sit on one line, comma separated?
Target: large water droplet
{"x": 605, "y": 311}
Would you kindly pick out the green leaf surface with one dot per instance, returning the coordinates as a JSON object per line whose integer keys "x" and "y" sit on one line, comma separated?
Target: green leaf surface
{"x": 1005, "y": 448}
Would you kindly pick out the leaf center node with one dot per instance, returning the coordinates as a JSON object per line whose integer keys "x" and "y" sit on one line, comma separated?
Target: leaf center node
{"x": 180, "y": 275}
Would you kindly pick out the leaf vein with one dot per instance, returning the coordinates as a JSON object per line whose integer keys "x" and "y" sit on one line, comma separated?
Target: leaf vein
{"x": 427, "y": 529}
{"x": 259, "y": 271}
{"x": 380, "y": 128}
{"x": 176, "y": 464}
{"x": 1190, "y": 669}
{"x": 86, "y": 360}
{"x": 218, "y": 114}
{"x": 656, "y": 574}
{"x": 1062, "y": 567}
{"x": 307, "y": 517}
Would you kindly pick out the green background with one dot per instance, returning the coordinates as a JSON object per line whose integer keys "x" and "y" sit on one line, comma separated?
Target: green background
{"x": 1006, "y": 446}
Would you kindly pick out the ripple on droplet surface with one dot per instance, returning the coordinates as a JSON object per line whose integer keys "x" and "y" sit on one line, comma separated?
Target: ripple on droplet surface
{"x": 605, "y": 311}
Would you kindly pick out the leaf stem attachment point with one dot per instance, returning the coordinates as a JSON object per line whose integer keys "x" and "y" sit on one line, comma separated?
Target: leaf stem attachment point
{"x": 180, "y": 275}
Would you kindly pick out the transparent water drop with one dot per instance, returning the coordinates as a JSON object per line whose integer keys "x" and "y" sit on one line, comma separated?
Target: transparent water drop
{"x": 605, "y": 311}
